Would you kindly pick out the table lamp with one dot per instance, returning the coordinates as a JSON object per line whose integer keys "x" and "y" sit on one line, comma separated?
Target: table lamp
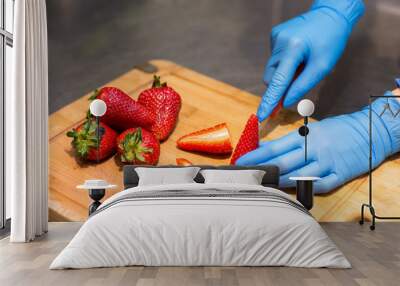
{"x": 98, "y": 108}
{"x": 305, "y": 108}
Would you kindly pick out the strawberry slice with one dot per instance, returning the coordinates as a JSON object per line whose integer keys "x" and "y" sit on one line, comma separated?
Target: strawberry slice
{"x": 213, "y": 140}
{"x": 183, "y": 162}
{"x": 248, "y": 140}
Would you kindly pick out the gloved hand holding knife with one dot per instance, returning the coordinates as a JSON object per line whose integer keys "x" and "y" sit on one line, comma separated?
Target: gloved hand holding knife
{"x": 338, "y": 146}
{"x": 316, "y": 39}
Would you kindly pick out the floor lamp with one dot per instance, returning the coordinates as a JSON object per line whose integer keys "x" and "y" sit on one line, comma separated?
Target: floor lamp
{"x": 304, "y": 185}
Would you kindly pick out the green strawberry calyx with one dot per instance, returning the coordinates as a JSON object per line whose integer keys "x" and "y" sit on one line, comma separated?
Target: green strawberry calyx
{"x": 95, "y": 94}
{"x": 157, "y": 82}
{"x": 133, "y": 148}
{"x": 85, "y": 138}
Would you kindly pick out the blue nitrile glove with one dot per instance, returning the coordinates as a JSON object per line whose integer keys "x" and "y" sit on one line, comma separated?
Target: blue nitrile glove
{"x": 338, "y": 147}
{"x": 317, "y": 40}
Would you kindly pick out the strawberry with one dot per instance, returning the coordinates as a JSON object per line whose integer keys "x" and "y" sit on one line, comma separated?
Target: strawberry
{"x": 123, "y": 112}
{"x": 138, "y": 146}
{"x": 85, "y": 141}
{"x": 165, "y": 103}
{"x": 249, "y": 139}
{"x": 214, "y": 140}
{"x": 183, "y": 162}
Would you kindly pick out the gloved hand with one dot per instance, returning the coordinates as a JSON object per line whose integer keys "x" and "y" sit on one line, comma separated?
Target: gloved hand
{"x": 317, "y": 40}
{"x": 338, "y": 147}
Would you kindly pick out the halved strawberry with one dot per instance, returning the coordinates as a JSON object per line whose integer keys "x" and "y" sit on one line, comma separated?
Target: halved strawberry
{"x": 183, "y": 162}
{"x": 249, "y": 139}
{"x": 138, "y": 146}
{"x": 214, "y": 140}
{"x": 123, "y": 112}
{"x": 85, "y": 141}
{"x": 165, "y": 103}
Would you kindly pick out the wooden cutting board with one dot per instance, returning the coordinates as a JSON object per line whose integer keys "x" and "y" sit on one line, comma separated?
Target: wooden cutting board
{"x": 206, "y": 102}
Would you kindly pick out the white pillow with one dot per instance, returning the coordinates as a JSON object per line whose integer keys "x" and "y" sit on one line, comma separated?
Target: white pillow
{"x": 165, "y": 176}
{"x": 247, "y": 177}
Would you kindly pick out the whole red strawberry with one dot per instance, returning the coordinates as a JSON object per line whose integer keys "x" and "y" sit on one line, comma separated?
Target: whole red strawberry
{"x": 85, "y": 141}
{"x": 138, "y": 146}
{"x": 165, "y": 103}
{"x": 123, "y": 112}
{"x": 249, "y": 139}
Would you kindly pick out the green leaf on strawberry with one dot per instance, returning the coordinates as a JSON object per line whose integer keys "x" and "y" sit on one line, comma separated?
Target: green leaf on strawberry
{"x": 133, "y": 148}
{"x": 157, "y": 82}
{"x": 94, "y": 95}
{"x": 84, "y": 138}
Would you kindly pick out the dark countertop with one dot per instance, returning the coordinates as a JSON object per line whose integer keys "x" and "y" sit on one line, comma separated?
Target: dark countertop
{"x": 93, "y": 41}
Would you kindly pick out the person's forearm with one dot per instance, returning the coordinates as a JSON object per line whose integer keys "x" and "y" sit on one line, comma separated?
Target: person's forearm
{"x": 351, "y": 10}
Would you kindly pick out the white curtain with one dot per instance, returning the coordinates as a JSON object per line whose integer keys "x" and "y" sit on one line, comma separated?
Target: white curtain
{"x": 26, "y": 123}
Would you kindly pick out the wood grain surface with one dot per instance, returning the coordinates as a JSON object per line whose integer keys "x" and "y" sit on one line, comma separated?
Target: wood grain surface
{"x": 374, "y": 256}
{"x": 205, "y": 102}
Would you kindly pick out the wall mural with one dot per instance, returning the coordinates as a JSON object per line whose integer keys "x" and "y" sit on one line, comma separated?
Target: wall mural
{"x": 178, "y": 116}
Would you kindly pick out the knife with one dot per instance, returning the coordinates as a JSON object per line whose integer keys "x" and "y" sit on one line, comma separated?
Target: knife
{"x": 264, "y": 127}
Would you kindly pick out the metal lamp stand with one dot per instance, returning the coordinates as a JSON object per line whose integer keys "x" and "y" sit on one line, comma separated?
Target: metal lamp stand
{"x": 370, "y": 205}
{"x": 303, "y": 131}
{"x": 98, "y": 137}
{"x": 304, "y": 187}
{"x": 96, "y": 195}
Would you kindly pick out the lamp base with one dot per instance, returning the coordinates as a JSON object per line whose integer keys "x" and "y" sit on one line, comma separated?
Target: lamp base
{"x": 304, "y": 193}
{"x": 96, "y": 195}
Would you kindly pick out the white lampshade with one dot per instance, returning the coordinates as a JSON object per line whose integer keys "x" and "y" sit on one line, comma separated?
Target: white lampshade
{"x": 305, "y": 107}
{"x": 98, "y": 107}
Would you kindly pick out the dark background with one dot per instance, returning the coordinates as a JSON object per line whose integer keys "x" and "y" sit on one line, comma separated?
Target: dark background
{"x": 94, "y": 41}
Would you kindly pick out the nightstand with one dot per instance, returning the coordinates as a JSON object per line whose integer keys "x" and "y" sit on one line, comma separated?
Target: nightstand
{"x": 304, "y": 190}
{"x": 97, "y": 190}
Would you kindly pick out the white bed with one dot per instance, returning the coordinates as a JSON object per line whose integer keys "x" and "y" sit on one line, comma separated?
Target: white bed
{"x": 224, "y": 225}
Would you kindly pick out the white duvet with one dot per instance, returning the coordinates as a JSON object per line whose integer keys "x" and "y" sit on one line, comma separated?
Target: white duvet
{"x": 204, "y": 231}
